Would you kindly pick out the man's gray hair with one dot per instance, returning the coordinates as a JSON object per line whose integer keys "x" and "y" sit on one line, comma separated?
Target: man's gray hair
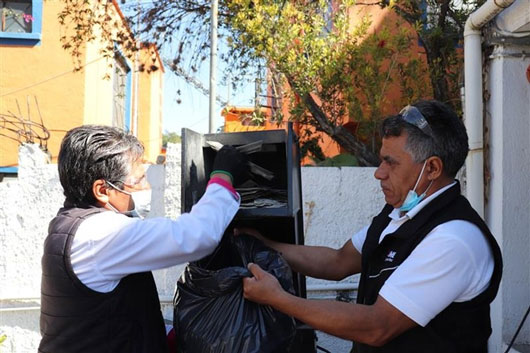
{"x": 92, "y": 152}
{"x": 450, "y": 141}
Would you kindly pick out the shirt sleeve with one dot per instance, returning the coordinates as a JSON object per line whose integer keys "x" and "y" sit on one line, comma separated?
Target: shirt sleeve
{"x": 359, "y": 238}
{"x": 452, "y": 264}
{"x": 109, "y": 246}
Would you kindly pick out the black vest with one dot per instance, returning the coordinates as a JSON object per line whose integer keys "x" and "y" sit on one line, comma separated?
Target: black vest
{"x": 459, "y": 328}
{"x": 75, "y": 318}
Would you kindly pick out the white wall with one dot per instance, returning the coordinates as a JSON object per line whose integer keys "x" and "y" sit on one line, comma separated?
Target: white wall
{"x": 508, "y": 164}
{"x": 337, "y": 203}
{"x": 27, "y": 205}
{"x": 165, "y": 182}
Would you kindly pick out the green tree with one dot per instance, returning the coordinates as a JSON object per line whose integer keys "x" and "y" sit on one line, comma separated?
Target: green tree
{"x": 335, "y": 72}
{"x": 171, "y": 137}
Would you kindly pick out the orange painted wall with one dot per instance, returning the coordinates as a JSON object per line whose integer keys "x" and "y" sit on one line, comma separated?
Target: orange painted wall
{"x": 45, "y": 72}
{"x": 150, "y": 108}
{"x": 235, "y": 120}
{"x": 381, "y": 18}
{"x": 66, "y": 98}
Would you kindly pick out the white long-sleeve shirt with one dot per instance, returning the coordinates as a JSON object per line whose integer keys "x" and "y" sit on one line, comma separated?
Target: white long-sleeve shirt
{"x": 109, "y": 246}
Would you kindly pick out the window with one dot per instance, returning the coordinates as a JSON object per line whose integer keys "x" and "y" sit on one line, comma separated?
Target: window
{"x": 20, "y": 22}
{"x": 121, "y": 93}
{"x": 16, "y": 16}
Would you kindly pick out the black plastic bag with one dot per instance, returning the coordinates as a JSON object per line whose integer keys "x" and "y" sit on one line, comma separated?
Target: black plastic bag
{"x": 210, "y": 313}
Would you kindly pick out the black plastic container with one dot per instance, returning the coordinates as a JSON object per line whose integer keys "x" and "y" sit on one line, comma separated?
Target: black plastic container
{"x": 280, "y": 155}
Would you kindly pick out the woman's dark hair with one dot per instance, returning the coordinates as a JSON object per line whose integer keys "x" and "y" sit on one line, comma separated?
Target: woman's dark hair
{"x": 449, "y": 142}
{"x": 92, "y": 152}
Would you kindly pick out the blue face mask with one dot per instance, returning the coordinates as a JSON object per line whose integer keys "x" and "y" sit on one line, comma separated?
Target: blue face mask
{"x": 412, "y": 198}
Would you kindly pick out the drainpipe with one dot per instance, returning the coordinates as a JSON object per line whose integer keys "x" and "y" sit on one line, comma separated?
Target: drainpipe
{"x": 473, "y": 102}
{"x": 473, "y": 113}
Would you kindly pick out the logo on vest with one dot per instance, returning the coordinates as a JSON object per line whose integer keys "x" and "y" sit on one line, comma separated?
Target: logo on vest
{"x": 390, "y": 256}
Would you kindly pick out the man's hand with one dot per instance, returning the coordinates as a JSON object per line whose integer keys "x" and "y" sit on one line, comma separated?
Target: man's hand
{"x": 263, "y": 288}
{"x": 250, "y": 231}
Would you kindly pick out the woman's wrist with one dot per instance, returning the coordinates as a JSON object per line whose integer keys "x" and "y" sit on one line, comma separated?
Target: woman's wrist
{"x": 223, "y": 175}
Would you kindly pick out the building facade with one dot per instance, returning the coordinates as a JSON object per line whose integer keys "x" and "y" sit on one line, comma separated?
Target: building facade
{"x": 43, "y": 94}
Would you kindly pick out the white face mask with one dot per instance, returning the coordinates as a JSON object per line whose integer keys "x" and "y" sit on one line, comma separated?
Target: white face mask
{"x": 141, "y": 200}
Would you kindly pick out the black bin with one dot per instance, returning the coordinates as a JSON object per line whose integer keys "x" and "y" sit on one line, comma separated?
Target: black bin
{"x": 279, "y": 155}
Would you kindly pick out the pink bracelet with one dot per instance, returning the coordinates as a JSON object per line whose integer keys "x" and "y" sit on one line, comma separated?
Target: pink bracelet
{"x": 225, "y": 184}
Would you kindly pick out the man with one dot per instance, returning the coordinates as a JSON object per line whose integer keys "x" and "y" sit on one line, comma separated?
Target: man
{"x": 429, "y": 265}
{"x": 98, "y": 293}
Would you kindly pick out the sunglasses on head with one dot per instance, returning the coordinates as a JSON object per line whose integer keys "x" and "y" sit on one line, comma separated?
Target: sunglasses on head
{"x": 412, "y": 115}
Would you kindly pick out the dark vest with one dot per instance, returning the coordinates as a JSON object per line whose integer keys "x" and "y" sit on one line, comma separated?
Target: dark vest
{"x": 75, "y": 318}
{"x": 459, "y": 328}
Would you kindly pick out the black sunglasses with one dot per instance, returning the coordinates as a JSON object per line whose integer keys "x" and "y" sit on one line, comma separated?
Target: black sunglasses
{"x": 412, "y": 115}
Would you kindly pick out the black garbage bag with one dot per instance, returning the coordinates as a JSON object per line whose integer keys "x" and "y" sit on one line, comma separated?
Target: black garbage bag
{"x": 210, "y": 313}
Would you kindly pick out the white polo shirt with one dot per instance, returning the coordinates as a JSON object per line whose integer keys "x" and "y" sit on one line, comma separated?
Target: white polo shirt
{"x": 453, "y": 263}
{"x": 109, "y": 246}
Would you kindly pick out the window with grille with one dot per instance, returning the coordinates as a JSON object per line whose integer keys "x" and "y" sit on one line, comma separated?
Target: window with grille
{"x": 20, "y": 22}
{"x": 17, "y": 16}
